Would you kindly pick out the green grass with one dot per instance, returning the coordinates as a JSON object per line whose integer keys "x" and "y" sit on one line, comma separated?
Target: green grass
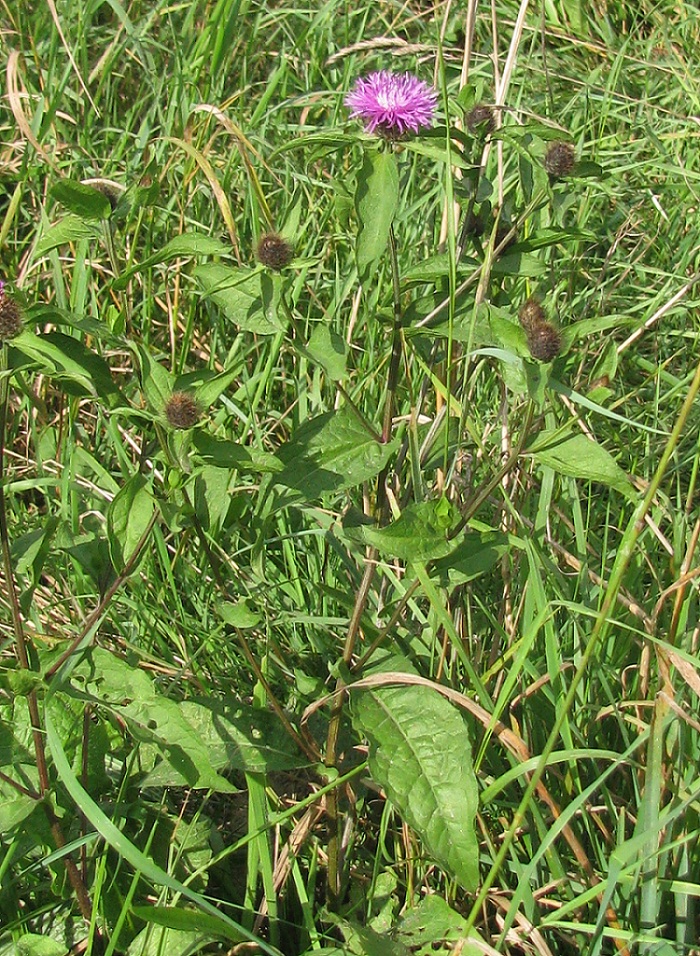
{"x": 182, "y": 612}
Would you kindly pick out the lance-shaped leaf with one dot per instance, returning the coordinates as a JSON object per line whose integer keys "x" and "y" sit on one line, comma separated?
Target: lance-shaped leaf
{"x": 376, "y": 200}
{"x": 419, "y": 753}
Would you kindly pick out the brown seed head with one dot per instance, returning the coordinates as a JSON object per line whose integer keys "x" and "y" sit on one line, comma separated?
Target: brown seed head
{"x": 480, "y": 120}
{"x": 531, "y": 314}
{"x": 10, "y": 316}
{"x": 559, "y": 160}
{"x": 181, "y": 410}
{"x": 274, "y": 252}
{"x": 544, "y": 342}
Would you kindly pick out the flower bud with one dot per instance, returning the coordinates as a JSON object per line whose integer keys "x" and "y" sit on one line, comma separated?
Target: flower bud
{"x": 10, "y": 316}
{"x": 544, "y": 342}
{"x": 274, "y": 252}
{"x": 559, "y": 159}
{"x": 181, "y": 410}
{"x": 531, "y": 314}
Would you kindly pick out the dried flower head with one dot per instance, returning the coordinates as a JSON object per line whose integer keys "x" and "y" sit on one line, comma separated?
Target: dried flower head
{"x": 181, "y": 410}
{"x": 481, "y": 120}
{"x": 559, "y": 159}
{"x": 544, "y": 342}
{"x": 531, "y": 314}
{"x": 392, "y": 104}
{"x": 10, "y": 316}
{"x": 274, "y": 252}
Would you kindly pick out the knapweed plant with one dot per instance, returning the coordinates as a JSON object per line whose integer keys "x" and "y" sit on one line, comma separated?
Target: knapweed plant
{"x": 348, "y": 464}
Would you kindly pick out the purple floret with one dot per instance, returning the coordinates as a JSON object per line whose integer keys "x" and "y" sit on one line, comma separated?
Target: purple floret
{"x": 392, "y": 103}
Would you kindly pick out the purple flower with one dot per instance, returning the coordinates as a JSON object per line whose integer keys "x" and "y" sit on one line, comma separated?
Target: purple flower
{"x": 392, "y": 103}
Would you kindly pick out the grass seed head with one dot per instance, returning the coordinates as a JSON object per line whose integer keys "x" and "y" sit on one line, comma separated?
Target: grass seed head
{"x": 10, "y": 316}
{"x": 181, "y": 410}
{"x": 274, "y": 252}
{"x": 559, "y": 160}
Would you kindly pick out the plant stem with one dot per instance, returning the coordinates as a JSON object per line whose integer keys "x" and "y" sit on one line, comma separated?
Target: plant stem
{"x": 22, "y": 650}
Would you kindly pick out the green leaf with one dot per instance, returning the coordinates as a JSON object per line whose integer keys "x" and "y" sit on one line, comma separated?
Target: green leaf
{"x": 579, "y": 457}
{"x": 184, "y": 246}
{"x": 230, "y": 454}
{"x": 418, "y": 534}
{"x": 66, "y": 359}
{"x": 329, "y": 350}
{"x": 132, "y": 696}
{"x": 234, "y": 736}
{"x": 187, "y": 919}
{"x": 476, "y": 554}
{"x": 331, "y": 453}
{"x": 419, "y": 753}
{"x": 70, "y": 229}
{"x": 206, "y": 385}
{"x": 376, "y": 200}
{"x": 34, "y": 945}
{"x": 128, "y": 517}
{"x": 175, "y": 942}
{"x": 240, "y": 295}
{"x": 431, "y": 926}
{"x": 85, "y": 201}
{"x": 157, "y": 382}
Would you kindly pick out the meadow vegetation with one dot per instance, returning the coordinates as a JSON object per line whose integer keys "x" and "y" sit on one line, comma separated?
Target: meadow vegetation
{"x": 348, "y": 482}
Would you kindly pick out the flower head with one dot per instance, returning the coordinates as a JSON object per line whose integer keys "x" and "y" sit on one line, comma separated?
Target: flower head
{"x": 181, "y": 410}
{"x": 559, "y": 159}
{"x": 274, "y": 252}
{"x": 10, "y": 316}
{"x": 392, "y": 103}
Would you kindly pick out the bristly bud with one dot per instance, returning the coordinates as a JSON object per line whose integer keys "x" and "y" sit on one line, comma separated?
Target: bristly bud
{"x": 10, "y": 316}
{"x": 560, "y": 159}
{"x": 544, "y": 342}
{"x": 481, "y": 120}
{"x": 531, "y": 315}
{"x": 274, "y": 252}
{"x": 181, "y": 410}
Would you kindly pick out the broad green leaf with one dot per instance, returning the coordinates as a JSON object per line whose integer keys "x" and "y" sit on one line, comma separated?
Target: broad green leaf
{"x": 66, "y": 359}
{"x": 419, "y": 752}
{"x": 331, "y": 453}
{"x": 376, "y": 200}
{"x": 329, "y": 350}
{"x": 70, "y": 229}
{"x": 364, "y": 941}
{"x": 157, "y": 382}
{"x": 158, "y": 941}
{"x": 476, "y": 554}
{"x": 34, "y": 945}
{"x": 418, "y": 534}
{"x": 580, "y": 457}
{"x": 240, "y": 295}
{"x": 183, "y": 246}
{"x": 132, "y": 696}
{"x": 433, "y": 924}
{"x": 187, "y": 919}
{"x": 234, "y": 736}
{"x": 85, "y": 201}
{"x": 230, "y": 454}
{"x": 206, "y": 385}
{"x": 128, "y": 517}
